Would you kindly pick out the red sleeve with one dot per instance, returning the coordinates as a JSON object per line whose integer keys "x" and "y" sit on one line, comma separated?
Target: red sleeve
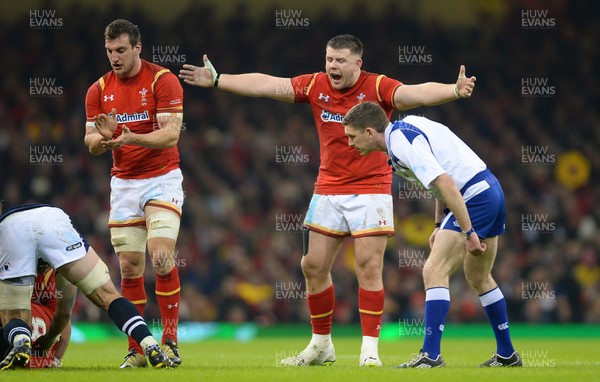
{"x": 169, "y": 94}
{"x": 301, "y": 85}
{"x": 93, "y": 106}
{"x": 386, "y": 89}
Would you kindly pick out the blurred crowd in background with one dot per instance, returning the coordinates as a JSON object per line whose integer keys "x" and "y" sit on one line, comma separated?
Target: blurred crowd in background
{"x": 250, "y": 164}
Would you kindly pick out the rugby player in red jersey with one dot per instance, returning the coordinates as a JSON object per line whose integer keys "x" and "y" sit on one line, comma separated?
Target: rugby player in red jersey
{"x": 136, "y": 111}
{"x": 352, "y": 193}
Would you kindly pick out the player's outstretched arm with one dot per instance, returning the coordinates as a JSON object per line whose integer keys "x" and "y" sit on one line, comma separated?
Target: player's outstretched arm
{"x": 434, "y": 93}
{"x": 248, "y": 84}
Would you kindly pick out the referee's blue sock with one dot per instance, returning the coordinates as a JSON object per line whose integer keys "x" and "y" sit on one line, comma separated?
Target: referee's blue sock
{"x": 494, "y": 304}
{"x": 437, "y": 304}
{"x": 127, "y": 318}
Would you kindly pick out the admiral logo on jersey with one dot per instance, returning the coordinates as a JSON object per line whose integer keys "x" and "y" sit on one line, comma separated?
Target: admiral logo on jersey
{"x": 135, "y": 117}
{"x": 327, "y": 116}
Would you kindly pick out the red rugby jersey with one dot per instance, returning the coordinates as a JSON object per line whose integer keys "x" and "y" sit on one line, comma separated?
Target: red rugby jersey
{"x": 342, "y": 169}
{"x": 137, "y": 100}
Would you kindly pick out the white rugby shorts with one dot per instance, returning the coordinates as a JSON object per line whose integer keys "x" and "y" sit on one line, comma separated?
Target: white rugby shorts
{"x": 128, "y": 197}
{"x": 44, "y": 232}
{"x": 357, "y": 215}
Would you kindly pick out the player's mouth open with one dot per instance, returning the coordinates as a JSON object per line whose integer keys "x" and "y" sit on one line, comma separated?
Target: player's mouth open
{"x": 336, "y": 77}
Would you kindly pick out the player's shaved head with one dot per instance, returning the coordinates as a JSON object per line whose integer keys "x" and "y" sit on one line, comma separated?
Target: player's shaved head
{"x": 347, "y": 41}
{"x": 120, "y": 27}
{"x": 366, "y": 114}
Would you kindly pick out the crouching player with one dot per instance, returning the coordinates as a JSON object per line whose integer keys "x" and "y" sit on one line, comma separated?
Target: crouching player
{"x": 37, "y": 230}
{"x": 52, "y": 300}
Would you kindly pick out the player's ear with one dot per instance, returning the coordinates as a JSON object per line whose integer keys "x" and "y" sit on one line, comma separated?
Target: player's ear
{"x": 358, "y": 64}
{"x": 138, "y": 48}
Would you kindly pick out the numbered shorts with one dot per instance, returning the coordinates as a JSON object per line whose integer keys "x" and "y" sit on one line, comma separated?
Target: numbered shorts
{"x": 44, "y": 232}
{"x": 356, "y": 215}
{"x": 129, "y": 197}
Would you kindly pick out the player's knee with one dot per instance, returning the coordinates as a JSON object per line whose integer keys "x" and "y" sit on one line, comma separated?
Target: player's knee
{"x": 312, "y": 268}
{"x": 131, "y": 264}
{"x": 429, "y": 272}
{"x": 477, "y": 280}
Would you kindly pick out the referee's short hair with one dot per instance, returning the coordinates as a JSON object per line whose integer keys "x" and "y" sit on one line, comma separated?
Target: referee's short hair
{"x": 366, "y": 114}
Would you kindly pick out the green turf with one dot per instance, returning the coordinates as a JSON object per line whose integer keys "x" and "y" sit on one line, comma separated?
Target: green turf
{"x": 564, "y": 359}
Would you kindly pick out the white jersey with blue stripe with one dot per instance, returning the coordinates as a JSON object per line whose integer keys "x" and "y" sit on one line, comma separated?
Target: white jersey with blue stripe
{"x": 421, "y": 150}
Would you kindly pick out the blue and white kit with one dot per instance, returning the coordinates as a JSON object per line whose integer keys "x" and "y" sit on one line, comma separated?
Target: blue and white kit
{"x": 421, "y": 150}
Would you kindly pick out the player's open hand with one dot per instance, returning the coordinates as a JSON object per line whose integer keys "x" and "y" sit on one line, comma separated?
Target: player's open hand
{"x": 106, "y": 124}
{"x": 199, "y": 76}
{"x": 474, "y": 246}
{"x": 464, "y": 85}
{"x": 125, "y": 138}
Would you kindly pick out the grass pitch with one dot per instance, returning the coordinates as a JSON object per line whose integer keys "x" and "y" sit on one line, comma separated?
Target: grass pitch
{"x": 564, "y": 359}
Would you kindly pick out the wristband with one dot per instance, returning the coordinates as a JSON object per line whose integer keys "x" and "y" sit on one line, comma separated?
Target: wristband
{"x": 469, "y": 232}
{"x": 456, "y": 91}
{"x": 216, "y": 84}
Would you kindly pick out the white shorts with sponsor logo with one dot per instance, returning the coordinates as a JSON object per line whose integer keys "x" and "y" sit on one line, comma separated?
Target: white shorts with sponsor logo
{"x": 129, "y": 197}
{"x": 357, "y": 215}
{"x": 45, "y": 233}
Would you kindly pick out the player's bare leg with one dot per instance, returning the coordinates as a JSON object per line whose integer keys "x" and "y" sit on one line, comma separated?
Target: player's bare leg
{"x": 316, "y": 266}
{"x": 447, "y": 254}
{"x": 90, "y": 275}
{"x": 368, "y": 260}
{"x": 478, "y": 272}
{"x": 163, "y": 229}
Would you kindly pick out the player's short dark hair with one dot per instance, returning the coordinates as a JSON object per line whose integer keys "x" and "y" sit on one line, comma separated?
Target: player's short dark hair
{"x": 366, "y": 114}
{"x": 120, "y": 27}
{"x": 347, "y": 41}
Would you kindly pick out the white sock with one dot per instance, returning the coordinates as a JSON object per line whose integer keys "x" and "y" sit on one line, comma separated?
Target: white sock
{"x": 148, "y": 341}
{"x": 320, "y": 338}
{"x": 369, "y": 345}
{"x": 20, "y": 337}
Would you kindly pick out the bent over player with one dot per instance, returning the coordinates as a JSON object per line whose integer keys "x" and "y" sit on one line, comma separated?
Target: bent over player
{"x": 136, "y": 111}
{"x": 52, "y": 299}
{"x": 31, "y": 231}
{"x": 352, "y": 194}
{"x": 429, "y": 153}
